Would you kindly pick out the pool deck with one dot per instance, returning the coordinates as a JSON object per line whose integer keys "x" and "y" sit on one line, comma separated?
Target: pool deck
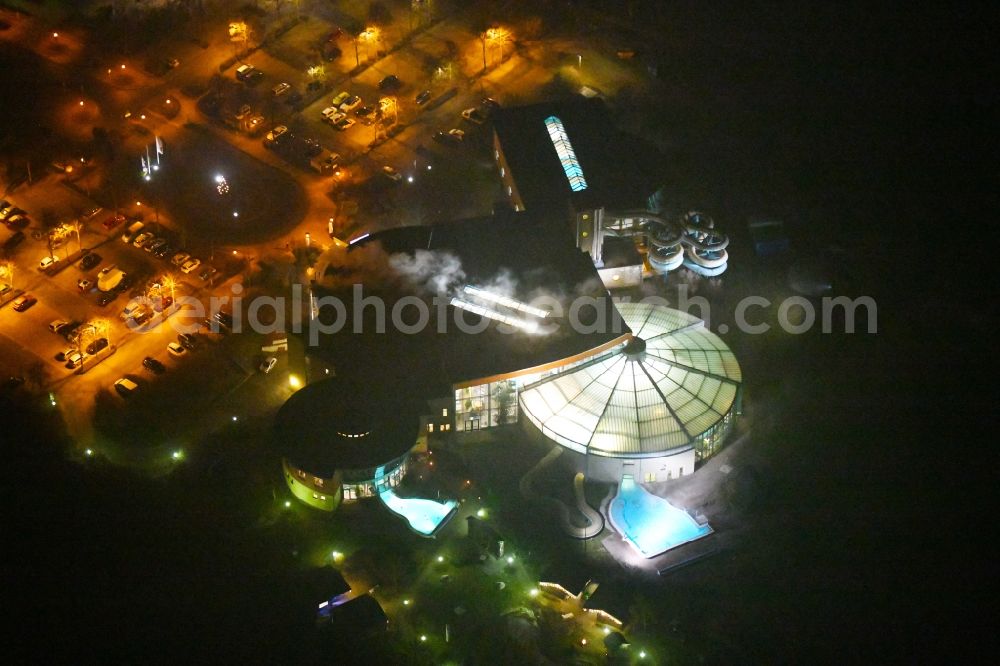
{"x": 698, "y": 494}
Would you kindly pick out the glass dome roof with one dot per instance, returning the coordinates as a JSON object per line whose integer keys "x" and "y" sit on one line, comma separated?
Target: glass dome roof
{"x": 640, "y": 400}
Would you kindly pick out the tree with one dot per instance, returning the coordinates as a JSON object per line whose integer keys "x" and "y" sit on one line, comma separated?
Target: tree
{"x": 378, "y": 14}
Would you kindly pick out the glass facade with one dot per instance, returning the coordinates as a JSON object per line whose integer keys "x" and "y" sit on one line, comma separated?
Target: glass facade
{"x": 486, "y": 405}
{"x": 370, "y": 482}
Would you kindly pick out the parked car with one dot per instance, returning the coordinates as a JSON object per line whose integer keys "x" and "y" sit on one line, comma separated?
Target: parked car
{"x": 57, "y": 324}
{"x": 69, "y": 330}
{"x": 74, "y": 360}
{"x": 97, "y": 345}
{"x": 16, "y": 239}
{"x": 188, "y": 340}
{"x": 452, "y": 136}
{"x": 343, "y": 123}
{"x": 114, "y": 221}
{"x": 48, "y": 262}
{"x": 143, "y": 238}
{"x": 280, "y": 89}
{"x": 391, "y": 174}
{"x": 489, "y": 104}
{"x": 243, "y": 72}
{"x": 276, "y": 133}
{"x": 12, "y": 211}
{"x": 474, "y": 115}
{"x": 176, "y": 349}
{"x": 268, "y": 364}
{"x": 208, "y": 273}
{"x": 351, "y": 103}
{"x": 341, "y": 98}
{"x": 164, "y": 250}
{"x": 90, "y": 261}
{"x": 224, "y": 318}
{"x": 329, "y": 113}
{"x": 179, "y": 258}
{"x": 422, "y": 97}
{"x": 23, "y": 302}
{"x": 365, "y": 114}
{"x": 154, "y": 245}
{"x": 390, "y": 82}
{"x": 153, "y": 365}
{"x": 84, "y": 285}
{"x": 106, "y": 297}
{"x": 125, "y": 387}
{"x": 62, "y": 355}
{"x": 190, "y": 265}
{"x": 17, "y": 221}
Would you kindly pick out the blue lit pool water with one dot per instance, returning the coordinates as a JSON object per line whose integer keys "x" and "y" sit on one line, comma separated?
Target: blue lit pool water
{"x": 424, "y": 515}
{"x": 650, "y": 523}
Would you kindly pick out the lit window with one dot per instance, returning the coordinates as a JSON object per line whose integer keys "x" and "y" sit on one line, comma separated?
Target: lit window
{"x": 567, "y": 156}
{"x": 502, "y": 172}
{"x": 510, "y": 191}
{"x": 444, "y": 411}
{"x": 496, "y": 154}
{"x": 430, "y": 427}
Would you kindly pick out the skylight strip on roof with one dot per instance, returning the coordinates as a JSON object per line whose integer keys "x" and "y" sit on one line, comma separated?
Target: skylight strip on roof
{"x": 524, "y": 325}
{"x": 567, "y": 156}
{"x": 505, "y": 301}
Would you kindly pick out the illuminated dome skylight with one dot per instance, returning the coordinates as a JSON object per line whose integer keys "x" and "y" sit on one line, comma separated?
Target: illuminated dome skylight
{"x": 673, "y": 387}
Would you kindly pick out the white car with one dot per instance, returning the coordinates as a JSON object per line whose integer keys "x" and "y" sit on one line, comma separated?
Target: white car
{"x": 391, "y": 174}
{"x": 281, "y": 89}
{"x": 48, "y": 262}
{"x": 457, "y": 133}
{"x": 267, "y": 365}
{"x": 125, "y": 387}
{"x": 330, "y": 113}
{"x": 57, "y": 324}
{"x": 180, "y": 258}
{"x": 350, "y": 103}
{"x": 190, "y": 265}
{"x": 343, "y": 123}
{"x": 143, "y": 238}
{"x": 176, "y": 349}
{"x": 473, "y": 115}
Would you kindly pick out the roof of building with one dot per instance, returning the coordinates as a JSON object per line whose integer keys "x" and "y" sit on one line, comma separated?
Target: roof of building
{"x": 516, "y": 256}
{"x": 667, "y": 387}
{"x": 346, "y": 424}
{"x": 571, "y": 150}
{"x": 359, "y": 617}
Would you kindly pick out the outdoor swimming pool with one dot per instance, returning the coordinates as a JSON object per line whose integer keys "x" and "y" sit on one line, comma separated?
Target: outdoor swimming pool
{"x": 425, "y": 516}
{"x": 650, "y": 523}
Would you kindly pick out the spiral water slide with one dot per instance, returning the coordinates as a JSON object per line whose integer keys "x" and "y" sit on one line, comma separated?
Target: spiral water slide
{"x": 693, "y": 241}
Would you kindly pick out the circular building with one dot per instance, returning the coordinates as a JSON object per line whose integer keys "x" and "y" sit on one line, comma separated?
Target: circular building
{"x": 342, "y": 440}
{"x": 652, "y": 408}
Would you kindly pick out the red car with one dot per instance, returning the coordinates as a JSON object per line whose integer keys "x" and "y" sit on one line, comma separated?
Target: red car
{"x": 114, "y": 221}
{"x": 23, "y": 302}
